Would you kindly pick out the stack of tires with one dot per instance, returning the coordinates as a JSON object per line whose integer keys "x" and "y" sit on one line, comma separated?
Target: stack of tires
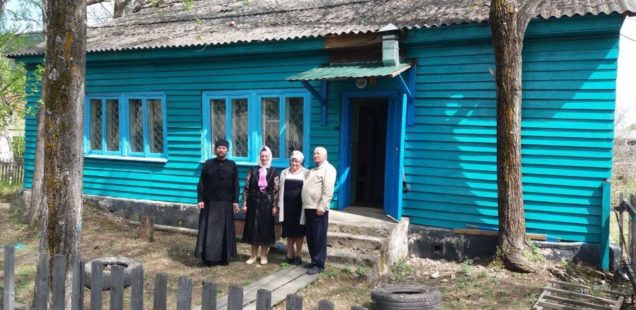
{"x": 406, "y": 297}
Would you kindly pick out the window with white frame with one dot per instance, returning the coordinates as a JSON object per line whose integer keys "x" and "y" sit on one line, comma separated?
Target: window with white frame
{"x": 125, "y": 125}
{"x": 248, "y": 120}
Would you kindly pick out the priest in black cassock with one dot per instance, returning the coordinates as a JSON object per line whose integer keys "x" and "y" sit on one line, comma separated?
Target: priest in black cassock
{"x": 217, "y": 194}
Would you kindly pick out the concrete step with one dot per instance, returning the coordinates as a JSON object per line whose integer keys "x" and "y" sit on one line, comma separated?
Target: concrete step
{"x": 361, "y": 243}
{"x": 376, "y": 229}
{"x": 339, "y": 256}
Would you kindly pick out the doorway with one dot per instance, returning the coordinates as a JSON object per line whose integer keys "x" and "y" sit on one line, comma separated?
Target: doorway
{"x": 368, "y": 151}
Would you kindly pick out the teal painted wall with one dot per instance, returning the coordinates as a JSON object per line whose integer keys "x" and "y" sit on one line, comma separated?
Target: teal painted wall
{"x": 182, "y": 79}
{"x": 569, "y": 71}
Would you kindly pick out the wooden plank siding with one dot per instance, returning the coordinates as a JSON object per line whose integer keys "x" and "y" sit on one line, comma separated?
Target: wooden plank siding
{"x": 569, "y": 72}
{"x": 183, "y": 81}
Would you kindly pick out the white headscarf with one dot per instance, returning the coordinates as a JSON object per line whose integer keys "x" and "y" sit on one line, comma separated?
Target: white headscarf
{"x": 298, "y": 155}
{"x": 268, "y": 151}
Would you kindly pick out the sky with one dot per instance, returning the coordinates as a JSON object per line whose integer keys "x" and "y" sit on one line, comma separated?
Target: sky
{"x": 96, "y": 14}
{"x": 626, "y": 76}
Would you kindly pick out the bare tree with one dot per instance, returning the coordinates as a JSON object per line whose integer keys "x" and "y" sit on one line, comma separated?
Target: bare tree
{"x": 63, "y": 81}
{"x": 508, "y": 23}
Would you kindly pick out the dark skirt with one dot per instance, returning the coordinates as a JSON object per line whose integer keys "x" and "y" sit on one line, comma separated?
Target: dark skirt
{"x": 259, "y": 221}
{"x": 293, "y": 208}
{"x": 216, "y": 243}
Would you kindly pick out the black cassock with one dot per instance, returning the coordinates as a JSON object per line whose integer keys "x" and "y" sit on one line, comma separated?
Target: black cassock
{"x": 218, "y": 189}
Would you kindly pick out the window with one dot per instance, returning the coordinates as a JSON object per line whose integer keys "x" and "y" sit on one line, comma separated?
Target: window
{"x": 130, "y": 126}
{"x": 248, "y": 120}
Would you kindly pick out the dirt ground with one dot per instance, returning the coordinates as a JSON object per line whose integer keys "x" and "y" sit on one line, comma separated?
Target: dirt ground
{"x": 468, "y": 285}
{"x": 106, "y": 235}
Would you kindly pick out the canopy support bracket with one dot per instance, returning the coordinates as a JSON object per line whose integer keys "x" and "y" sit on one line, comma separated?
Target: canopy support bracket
{"x": 320, "y": 96}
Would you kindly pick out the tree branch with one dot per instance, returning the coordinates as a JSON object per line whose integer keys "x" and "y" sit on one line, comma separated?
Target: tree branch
{"x": 91, "y": 2}
{"x": 527, "y": 12}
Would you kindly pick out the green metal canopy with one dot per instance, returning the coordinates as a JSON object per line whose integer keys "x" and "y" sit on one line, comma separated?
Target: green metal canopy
{"x": 350, "y": 71}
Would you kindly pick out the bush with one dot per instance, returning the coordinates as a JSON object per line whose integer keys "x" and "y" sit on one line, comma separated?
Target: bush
{"x": 18, "y": 146}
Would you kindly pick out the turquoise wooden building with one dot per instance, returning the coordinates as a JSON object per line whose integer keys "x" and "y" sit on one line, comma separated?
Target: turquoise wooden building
{"x": 412, "y": 102}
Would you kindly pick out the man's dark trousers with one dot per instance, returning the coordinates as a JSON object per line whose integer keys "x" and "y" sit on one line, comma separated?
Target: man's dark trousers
{"x": 316, "y": 229}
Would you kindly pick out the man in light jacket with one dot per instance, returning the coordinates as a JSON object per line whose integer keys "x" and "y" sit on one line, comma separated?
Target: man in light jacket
{"x": 316, "y": 196}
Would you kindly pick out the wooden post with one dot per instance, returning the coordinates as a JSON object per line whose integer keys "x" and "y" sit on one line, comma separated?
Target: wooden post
{"x": 137, "y": 289}
{"x": 42, "y": 283}
{"x": 263, "y": 299}
{"x": 208, "y": 296}
{"x": 117, "y": 287}
{"x": 146, "y": 228}
{"x": 161, "y": 292}
{"x": 77, "y": 296}
{"x": 235, "y": 298}
{"x": 294, "y": 302}
{"x": 325, "y": 305}
{"x": 59, "y": 278}
{"x": 9, "y": 278}
{"x": 96, "y": 285}
{"x": 184, "y": 293}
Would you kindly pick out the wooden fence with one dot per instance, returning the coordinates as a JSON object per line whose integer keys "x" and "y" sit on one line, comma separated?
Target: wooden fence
{"x": 160, "y": 293}
{"x": 627, "y": 205}
{"x": 11, "y": 172}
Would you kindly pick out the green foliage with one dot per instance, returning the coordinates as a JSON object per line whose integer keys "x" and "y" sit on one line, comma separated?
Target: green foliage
{"x": 18, "y": 149}
{"x": 13, "y": 76}
{"x": 401, "y": 272}
{"x": 12, "y": 91}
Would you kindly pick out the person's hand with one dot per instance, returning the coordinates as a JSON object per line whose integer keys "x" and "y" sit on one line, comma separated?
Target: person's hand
{"x": 274, "y": 211}
{"x": 235, "y": 207}
{"x": 201, "y": 205}
{"x": 320, "y": 212}
{"x": 244, "y": 208}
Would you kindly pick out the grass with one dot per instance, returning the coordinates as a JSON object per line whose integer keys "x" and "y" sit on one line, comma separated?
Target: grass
{"x": 7, "y": 191}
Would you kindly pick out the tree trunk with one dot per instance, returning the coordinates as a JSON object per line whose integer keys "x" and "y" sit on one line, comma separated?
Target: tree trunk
{"x": 508, "y": 26}
{"x": 63, "y": 80}
{"x": 37, "y": 209}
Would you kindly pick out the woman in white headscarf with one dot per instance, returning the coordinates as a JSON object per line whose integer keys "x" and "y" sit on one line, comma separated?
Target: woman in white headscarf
{"x": 259, "y": 197}
{"x": 290, "y": 206}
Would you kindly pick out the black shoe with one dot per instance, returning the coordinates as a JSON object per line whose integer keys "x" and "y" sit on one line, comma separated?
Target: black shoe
{"x": 289, "y": 260}
{"x": 315, "y": 270}
{"x": 308, "y": 265}
{"x": 297, "y": 261}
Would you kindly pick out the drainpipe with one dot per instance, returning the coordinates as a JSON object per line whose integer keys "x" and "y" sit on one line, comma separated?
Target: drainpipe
{"x": 390, "y": 45}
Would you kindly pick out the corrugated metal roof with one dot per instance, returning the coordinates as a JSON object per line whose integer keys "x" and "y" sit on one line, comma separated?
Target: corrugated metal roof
{"x": 168, "y": 24}
{"x": 350, "y": 71}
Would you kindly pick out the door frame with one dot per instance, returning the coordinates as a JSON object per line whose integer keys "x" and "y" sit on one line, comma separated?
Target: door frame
{"x": 394, "y": 136}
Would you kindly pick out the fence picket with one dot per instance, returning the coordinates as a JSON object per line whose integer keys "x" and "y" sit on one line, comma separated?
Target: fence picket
{"x": 208, "y": 296}
{"x": 59, "y": 277}
{"x": 137, "y": 289}
{"x": 161, "y": 292}
{"x": 9, "y": 278}
{"x": 42, "y": 283}
{"x": 263, "y": 299}
{"x": 77, "y": 296}
{"x": 96, "y": 285}
{"x": 325, "y": 305}
{"x": 294, "y": 302}
{"x": 184, "y": 293}
{"x": 235, "y": 298}
{"x": 117, "y": 287}
{"x": 11, "y": 172}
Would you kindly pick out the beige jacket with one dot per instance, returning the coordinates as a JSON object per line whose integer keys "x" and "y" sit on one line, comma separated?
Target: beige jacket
{"x": 318, "y": 188}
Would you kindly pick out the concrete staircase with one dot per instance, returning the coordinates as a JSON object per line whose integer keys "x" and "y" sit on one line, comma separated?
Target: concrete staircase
{"x": 364, "y": 240}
